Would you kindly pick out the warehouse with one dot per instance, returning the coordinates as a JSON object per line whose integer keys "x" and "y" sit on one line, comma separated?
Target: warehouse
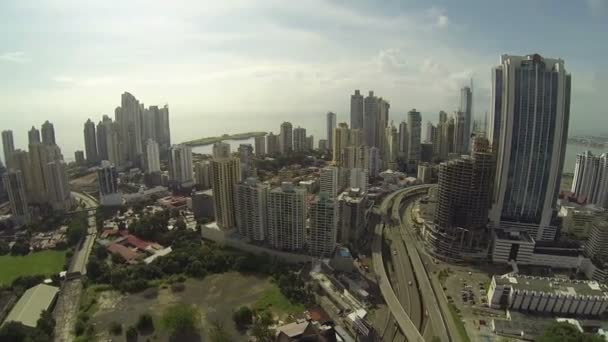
{"x": 29, "y": 308}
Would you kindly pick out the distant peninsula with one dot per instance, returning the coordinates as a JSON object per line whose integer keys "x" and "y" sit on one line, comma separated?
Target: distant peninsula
{"x": 213, "y": 140}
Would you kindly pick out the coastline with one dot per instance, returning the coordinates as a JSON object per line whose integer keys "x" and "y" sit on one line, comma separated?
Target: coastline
{"x": 212, "y": 140}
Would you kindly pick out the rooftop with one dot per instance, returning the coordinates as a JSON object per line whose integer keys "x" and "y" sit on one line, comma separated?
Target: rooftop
{"x": 553, "y": 285}
{"x": 28, "y": 309}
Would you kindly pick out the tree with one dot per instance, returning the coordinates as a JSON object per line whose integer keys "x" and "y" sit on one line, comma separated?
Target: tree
{"x": 46, "y": 323}
{"x": 566, "y": 332}
{"x": 145, "y": 323}
{"x": 13, "y": 332}
{"x": 261, "y": 327}
{"x": 242, "y": 317}
{"x": 115, "y": 328}
{"x": 21, "y": 247}
{"x": 181, "y": 319}
{"x": 217, "y": 333}
{"x": 4, "y": 248}
{"x": 131, "y": 334}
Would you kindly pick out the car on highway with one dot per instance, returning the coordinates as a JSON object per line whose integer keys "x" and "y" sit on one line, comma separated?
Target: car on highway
{"x": 409, "y": 283}
{"x": 394, "y": 252}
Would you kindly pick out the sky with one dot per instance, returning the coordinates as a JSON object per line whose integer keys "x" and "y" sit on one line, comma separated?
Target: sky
{"x": 227, "y": 65}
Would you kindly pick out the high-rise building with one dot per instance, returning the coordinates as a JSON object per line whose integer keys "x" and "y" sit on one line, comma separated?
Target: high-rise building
{"x": 107, "y": 177}
{"x": 245, "y": 152}
{"x": 463, "y": 203}
{"x": 251, "y": 208}
{"x": 414, "y": 125}
{"x": 590, "y": 181}
{"x": 48, "y": 133}
{"x": 58, "y": 189}
{"x": 40, "y": 155}
{"x": 323, "y": 225}
{"x": 33, "y": 136}
{"x": 114, "y": 146}
{"x": 596, "y": 247}
{"x": 375, "y": 162}
{"x": 466, "y": 107}
{"x": 356, "y": 110}
{"x": 310, "y": 143}
{"x": 383, "y": 123}
{"x": 21, "y": 162}
{"x": 90, "y": 142}
{"x": 221, "y": 150}
{"x": 328, "y": 181}
{"x": 352, "y": 207}
{"x": 286, "y": 138}
{"x": 180, "y": 166}
{"x": 403, "y": 140}
{"x": 323, "y": 145}
{"x": 344, "y": 139}
{"x": 15, "y": 186}
{"x": 8, "y": 145}
{"x": 104, "y": 128}
{"x": 442, "y": 143}
{"x": 287, "y": 214}
{"x": 152, "y": 157}
{"x": 460, "y": 140}
{"x": 371, "y": 120}
{"x": 225, "y": 174}
{"x": 202, "y": 172}
{"x": 162, "y": 127}
{"x": 129, "y": 116}
{"x": 79, "y": 158}
{"x": 260, "y": 145}
{"x": 273, "y": 145}
{"x": 331, "y": 125}
{"x": 299, "y": 139}
{"x": 358, "y": 179}
{"x": 391, "y": 148}
{"x": 529, "y": 92}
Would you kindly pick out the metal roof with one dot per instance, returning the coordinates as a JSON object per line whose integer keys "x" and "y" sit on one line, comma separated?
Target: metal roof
{"x": 28, "y": 309}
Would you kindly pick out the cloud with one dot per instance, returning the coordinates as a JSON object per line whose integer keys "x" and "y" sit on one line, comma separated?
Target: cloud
{"x": 13, "y": 57}
{"x": 442, "y": 21}
{"x": 597, "y": 7}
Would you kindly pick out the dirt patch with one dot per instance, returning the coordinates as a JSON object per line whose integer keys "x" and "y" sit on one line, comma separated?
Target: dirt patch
{"x": 216, "y": 296}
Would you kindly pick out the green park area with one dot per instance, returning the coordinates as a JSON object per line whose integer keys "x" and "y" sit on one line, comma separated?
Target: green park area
{"x": 276, "y": 301}
{"x": 46, "y": 262}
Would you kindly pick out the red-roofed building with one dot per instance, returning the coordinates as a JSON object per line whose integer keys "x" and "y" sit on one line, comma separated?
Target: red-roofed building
{"x": 129, "y": 256}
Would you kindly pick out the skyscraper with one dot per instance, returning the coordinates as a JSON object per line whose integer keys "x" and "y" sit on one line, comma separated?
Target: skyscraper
{"x": 590, "y": 181}
{"x": 103, "y": 129}
{"x": 79, "y": 158}
{"x": 286, "y": 138}
{"x": 440, "y": 145}
{"x": 15, "y": 186}
{"x": 48, "y": 133}
{"x": 374, "y": 161}
{"x": 323, "y": 226}
{"x": 128, "y": 116}
{"x": 33, "y": 136}
{"x": 358, "y": 179}
{"x": 225, "y": 174}
{"x": 180, "y": 166}
{"x": 21, "y": 162}
{"x": 107, "y": 177}
{"x": 221, "y": 150}
{"x": 299, "y": 139}
{"x": 328, "y": 181}
{"x": 463, "y": 202}
{"x": 403, "y": 140}
{"x": 40, "y": 155}
{"x": 371, "y": 120}
{"x": 529, "y": 92}
{"x": 273, "y": 145}
{"x": 352, "y": 205}
{"x": 310, "y": 143}
{"x": 331, "y": 125}
{"x": 287, "y": 214}
{"x": 8, "y": 146}
{"x": 345, "y": 138}
{"x": 152, "y": 157}
{"x": 460, "y": 141}
{"x": 414, "y": 125}
{"x": 260, "y": 145}
{"x": 356, "y": 110}
{"x": 202, "y": 173}
{"x": 245, "y": 152}
{"x": 90, "y": 142}
{"x": 251, "y": 208}
{"x": 466, "y": 104}
{"x": 58, "y": 189}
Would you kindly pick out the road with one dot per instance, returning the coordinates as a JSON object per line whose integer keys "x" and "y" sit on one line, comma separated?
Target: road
{"x": 81, "y": 255}
{"x": 403, "y": 320}
{"x": 68, "y": 301}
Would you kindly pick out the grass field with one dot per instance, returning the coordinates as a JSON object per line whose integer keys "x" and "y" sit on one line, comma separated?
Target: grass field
{"x": 462, "y": 331}
{"x": 273, "y": 299}
{"x": 47, "y": 263}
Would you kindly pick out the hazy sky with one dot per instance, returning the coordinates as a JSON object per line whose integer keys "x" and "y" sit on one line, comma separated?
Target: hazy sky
{"x": 242, "y": 60}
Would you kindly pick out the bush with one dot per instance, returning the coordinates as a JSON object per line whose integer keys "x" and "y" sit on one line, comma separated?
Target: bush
{"x": 4, "y": 248}
{"x": 242, "y": 317}
{"x": 181, "y": 318}
{"x": 145, "y": 323}
{"x": 178, "y": 287}
{"x": 115, "y": 328}
{"x": 131, "y": 334}
{"x": 79, "y": 327}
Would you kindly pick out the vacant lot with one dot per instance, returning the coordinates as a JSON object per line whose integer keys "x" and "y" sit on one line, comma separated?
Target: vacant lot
{"x": 46, "y": 262}
{"x": 216, "y": 296}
